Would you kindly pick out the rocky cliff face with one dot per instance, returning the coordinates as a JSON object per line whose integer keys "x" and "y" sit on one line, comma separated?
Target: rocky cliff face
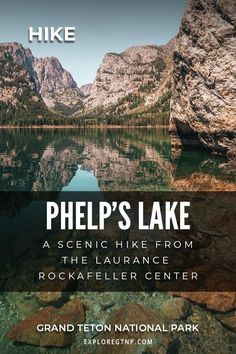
{"x": 134, "y": 78}
{"x": 47, "y": 79}
{"x": 57, "y": 87}
{"x": 19, "y": 86}
{"x": 86, "y": 89}
{"x": 23, "y": 57}
{"x": 203, "y": 108}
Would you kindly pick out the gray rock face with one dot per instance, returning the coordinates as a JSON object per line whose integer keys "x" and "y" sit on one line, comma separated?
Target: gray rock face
{"x": 86, "y": 89}
{"x": 143, "y": 71}
{"x": 52, "y": 76}
{"x": 203, "y": 107}
{"x": 48, "y": 78}
{"x": 57, "y": 86}
{"x": 23, "y": 57}
{"x": 19, "y": 86}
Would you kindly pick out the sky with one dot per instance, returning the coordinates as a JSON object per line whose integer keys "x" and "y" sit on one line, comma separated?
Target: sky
{"x": 101, "y": 26}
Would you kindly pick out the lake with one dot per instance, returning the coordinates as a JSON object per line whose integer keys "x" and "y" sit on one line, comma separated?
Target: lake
{"x": 107, "y": 160}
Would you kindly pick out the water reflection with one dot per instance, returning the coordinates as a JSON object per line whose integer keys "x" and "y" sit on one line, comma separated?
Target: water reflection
{"x": 105, "y": 159}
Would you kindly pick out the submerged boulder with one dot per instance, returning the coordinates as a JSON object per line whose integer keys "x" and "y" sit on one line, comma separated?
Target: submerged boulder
{"x": 133, "y": 313}
{"x": 26, "y": 331}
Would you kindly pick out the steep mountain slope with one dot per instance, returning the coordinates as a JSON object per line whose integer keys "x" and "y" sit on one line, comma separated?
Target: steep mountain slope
{"x": 57, "y": 87}
{"x": 86, "y": 89}
{"x": 131, "y": 80}
{"x": 46, "y": 77}
{"x": 19, "y": 96}
{"x": 22, "y": 56}
{"x": 203, "y": 108}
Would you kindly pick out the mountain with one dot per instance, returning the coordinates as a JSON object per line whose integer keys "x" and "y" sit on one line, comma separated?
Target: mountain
{"x": 86, "y": 89}
{"x": 132, "y": 80}
{"x": 203, "y": 106}
{"x": 135, "y": 82}
{"x": 57, "y": 87}
{"x": 19, "y": 87}
{"x": 52, "y": 87}
{"x": 22, "y": 56}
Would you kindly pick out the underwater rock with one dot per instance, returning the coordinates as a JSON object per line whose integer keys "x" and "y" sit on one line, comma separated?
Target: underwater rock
{"x": 48, "y": 297}
{"x": 202, "y": 182}
{"x": 26, "y": 331}
{"x": 176, "y": 308}
{"x": 228, "y": 320}
{"x": 24, "y": 303}
{"x": 133, "y": 313}
{"x": 216, "y": 301}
